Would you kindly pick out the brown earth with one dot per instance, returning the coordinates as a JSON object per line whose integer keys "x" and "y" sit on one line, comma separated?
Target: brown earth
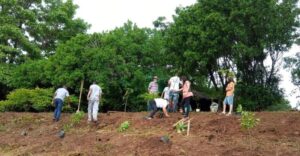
{"x": 278, "y": 133}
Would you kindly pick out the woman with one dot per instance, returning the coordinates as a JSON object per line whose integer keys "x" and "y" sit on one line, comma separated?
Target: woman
{"x": 186, "y": 96}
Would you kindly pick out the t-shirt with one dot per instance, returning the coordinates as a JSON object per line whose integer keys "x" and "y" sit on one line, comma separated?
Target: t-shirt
{"x": 161, "y": 103}
{"x": 174, "y": 83}
{"x": 95, "y": 92}
{"x": 166, "y": 93}
{"x": 153, "y": 87}
{"x": 61, "y": 93}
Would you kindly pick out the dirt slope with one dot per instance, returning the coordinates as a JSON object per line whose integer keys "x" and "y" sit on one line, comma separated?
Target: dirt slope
{"x": 211, "y": 134}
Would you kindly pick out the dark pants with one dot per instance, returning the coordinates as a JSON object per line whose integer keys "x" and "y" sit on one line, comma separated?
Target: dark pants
{"x": 58, "y": 107}
{"x": 186, "y": 106}
{"x": 153, "y": 108}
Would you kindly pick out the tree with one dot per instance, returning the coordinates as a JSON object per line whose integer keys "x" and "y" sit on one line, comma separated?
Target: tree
{"x": 121, "y": 60}
{"x": 213, "y": 35}
{"x": 33, "y": 29}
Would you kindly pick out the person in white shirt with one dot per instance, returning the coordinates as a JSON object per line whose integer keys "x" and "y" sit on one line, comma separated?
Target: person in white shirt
{"x": 58, "y": 100}
{"x": 158, "y": 103}
{"x": 166, "y": 94}
{"x": 174, "y": 92}
{"x": 93, "y": 97}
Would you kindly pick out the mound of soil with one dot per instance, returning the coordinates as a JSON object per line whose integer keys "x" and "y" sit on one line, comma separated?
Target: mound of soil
{"x": 278, "y": 133}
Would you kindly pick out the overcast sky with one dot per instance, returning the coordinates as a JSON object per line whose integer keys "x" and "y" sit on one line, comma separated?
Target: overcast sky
{"x": 104, "y": 15}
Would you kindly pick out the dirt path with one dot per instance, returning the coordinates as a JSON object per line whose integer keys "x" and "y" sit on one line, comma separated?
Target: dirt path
{"x": 211, "y": 134}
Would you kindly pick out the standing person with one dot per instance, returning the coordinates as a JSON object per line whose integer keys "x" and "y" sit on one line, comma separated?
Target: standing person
{"x": 93, "y": 97}
{"x": 152, "y": 89}
{"x": 153, "y": 86}
{"x": 229, "y": 96}
{"x": 58, "y": 100}
{"x": 166, "y": 94}
{"x": 158, "y": 103}
{"x": 186, "y": 96}
{"x": 174, "y": 92}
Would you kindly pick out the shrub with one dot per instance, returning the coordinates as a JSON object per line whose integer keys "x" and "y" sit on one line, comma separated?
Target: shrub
{"x": 28, "y": 100}
{"x": 248, "y": 120}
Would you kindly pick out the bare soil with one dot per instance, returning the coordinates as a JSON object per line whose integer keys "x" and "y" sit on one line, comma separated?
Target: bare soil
{"x": 278, "y": 133}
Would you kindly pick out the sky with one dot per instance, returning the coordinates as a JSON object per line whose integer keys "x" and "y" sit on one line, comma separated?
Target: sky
{"x": 105, "y": 15}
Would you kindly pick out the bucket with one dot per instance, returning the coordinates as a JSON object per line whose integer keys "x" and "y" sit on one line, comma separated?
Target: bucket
{"x": 214, "y": 107}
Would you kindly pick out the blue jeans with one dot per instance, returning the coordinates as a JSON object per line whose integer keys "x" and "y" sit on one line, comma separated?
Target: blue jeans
{"x": 186, "y": 106}
{"x": 58, "y": 107}
{"x": 174, "y": 100}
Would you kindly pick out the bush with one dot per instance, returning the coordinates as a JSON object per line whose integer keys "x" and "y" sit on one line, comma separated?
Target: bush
{"x": 28, "y": 100}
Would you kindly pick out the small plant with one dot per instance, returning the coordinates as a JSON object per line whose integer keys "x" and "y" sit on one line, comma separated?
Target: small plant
{"x": 181, "y": 127}
{"x": 124, "y": 126}
{"x": 239, "y": 109}
{"x": 75, "y": 120}
{"x": 248, "y": 121}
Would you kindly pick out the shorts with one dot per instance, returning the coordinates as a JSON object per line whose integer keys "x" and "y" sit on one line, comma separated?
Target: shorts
{"x": 228, "y": 100}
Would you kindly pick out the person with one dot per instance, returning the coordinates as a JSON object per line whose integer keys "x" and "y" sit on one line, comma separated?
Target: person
{"x": 58, "y": 100}
{"x": 165, "y": 94}
{"x": 153, "y": 86}
{"x": 152, "y": 89}
{"x": 229, "y": 96}
{"x": 158, "y": 103}
{"x": 186, "y": 96}
{"x": 174, "y": 92}
{"x": 93, "y": 97}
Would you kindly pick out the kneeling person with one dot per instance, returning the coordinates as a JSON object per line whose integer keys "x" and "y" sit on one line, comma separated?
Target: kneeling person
{"x": 158, "y": 103}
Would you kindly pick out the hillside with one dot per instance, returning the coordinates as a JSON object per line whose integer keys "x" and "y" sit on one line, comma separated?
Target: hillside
{"x": 278, "y": 133}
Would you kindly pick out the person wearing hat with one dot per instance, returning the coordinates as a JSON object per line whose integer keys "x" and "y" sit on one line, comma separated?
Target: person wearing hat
{"x": 153, "y": 86}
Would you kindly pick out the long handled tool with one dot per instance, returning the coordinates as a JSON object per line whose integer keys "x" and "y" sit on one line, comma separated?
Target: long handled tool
{"x": 81, "y": 87}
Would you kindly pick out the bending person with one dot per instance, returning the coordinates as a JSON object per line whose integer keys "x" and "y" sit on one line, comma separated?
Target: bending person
{"x": 156, "y": 104}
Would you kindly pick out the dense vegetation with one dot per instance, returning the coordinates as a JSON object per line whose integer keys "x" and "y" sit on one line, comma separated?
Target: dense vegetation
{"x": 43, "y": 45}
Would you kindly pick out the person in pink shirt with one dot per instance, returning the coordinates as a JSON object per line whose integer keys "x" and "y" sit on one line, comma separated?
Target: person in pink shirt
{"x": 186, "y": 96}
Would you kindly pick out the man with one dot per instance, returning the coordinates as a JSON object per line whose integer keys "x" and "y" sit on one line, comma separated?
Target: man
{"x": 93, "y": 97}
{"x": 229, "y": 96}
{"x": 158, "y": 103}
{"x": 58, "y": 100}
{"x": 153, "y": 86}
{"x": 174, "y": 92}
{"x": 152, "y": 89}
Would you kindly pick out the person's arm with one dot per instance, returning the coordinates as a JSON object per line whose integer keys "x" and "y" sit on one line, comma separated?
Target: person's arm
{"x": 89, "y": 94}
{"x": 165, "y": 111}
{"x": 100, "y": 93}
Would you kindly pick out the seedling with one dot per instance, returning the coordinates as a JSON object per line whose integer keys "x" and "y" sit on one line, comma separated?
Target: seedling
{"x": 75, "y": 120}
{"x": 181, "y": 127}
{"x": 124, "y": 126}
{"x": 248, "y": 121}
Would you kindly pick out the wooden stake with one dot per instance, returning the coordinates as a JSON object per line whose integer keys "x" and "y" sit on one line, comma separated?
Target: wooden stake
{"x": 188, "y": 128}
{"x": 81, "y": 87}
